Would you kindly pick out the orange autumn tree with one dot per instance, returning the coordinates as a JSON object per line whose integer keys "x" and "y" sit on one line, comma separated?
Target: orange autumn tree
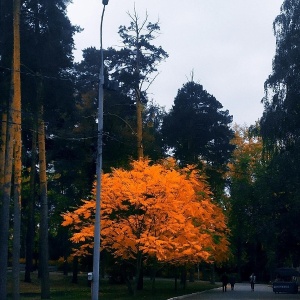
{"x": 153, "y": 210}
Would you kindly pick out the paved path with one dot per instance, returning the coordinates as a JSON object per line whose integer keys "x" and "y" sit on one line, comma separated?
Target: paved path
{"x": 241, "y": 291}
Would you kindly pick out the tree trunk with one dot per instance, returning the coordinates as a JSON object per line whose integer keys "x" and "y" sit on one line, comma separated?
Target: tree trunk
{"x": 139, "y": 106}
{"x": 139, "y": 111}
{"x": 127, "y": 279}
{"x": 30, "y": 209}
{"x": 4, "y": 207}
{"x": 2, "y": 150}
{"x": 140, "y": 283}
{"x": 17, "y": 222}
{"x": 137, "y": 271}
{"x": 239, "y": 258}
{"x": 153, "y": 275}
{"x": 65, "y": 265}
{"x": 14, "y": 111}
{"x": 75, "y": 270}
{"x": 183, "y": 277}
{"x": 212, "y": 273}
{"x": 192, "y": 274}
{"x": 17, "y": 151}
{"x": 44, "y": 255}
{"x": 176, "y": 279}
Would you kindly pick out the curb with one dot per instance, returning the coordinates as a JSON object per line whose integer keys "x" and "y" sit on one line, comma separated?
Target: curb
{"x": 188, "y": 295}
{"x": 184, "y": 296}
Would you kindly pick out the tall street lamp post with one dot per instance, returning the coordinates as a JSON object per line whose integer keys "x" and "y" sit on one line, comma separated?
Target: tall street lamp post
{"x": 96, "y": 254}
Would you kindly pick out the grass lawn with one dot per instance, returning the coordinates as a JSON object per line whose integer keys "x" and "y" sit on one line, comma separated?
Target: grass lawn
{"x": 62, "y": 289}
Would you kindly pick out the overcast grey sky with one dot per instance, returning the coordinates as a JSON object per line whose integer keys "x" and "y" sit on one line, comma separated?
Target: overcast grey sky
{"x": 228, "y": 44}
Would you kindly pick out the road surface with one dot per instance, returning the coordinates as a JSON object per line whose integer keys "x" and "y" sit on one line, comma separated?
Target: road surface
{"x": 241, "y": 291}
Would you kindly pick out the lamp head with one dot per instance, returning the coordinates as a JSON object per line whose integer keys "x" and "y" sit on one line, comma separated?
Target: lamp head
{"x": 105, "y": 2}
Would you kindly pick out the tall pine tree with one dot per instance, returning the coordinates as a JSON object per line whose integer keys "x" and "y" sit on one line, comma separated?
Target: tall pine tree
{"x": 198, "y": 131}
{"x": 280, "y": 128}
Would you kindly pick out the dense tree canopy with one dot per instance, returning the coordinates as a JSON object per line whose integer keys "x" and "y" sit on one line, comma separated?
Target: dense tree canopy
{"x": 119, "y": 113}
{"x": 133, "y": 66}
{"x": 154, "y": 211}
{"x": 135, "y": 63}
{"x": 280, "y": 128}
{"x": 197, "y": 127}
{"x": 280, "y": 124}
{"x": 47, "y": 98}
{"x": 197, "y": 130}
{"x": 6, "y": 36}
{"x": 249, "y": 212}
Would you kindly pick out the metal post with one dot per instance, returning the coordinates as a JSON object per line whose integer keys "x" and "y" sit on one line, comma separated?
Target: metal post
{"x": 96, "y": 253}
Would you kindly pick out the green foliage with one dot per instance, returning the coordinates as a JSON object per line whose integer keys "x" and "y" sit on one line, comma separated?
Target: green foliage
{"x": 5, "y": 51}
{"x": 119, "y": 114}
{"x": 46, "y": 61}
{"x": 198, "y": 131}
{"x": 153, "y": 115}
{"x": 280, "y": 124}
{"x": 280, "y": 129}
{"x": 250, "y": 212}
{"x": 131, "y": 68}
{"x": 133, "y": 64}
{"x": 281, "y": 185}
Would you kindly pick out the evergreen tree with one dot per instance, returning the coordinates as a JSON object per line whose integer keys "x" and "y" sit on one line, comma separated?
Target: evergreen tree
{"x": 153, "y": 140}
{"x": 6, "y": 44}
{"x": 46, "y": 60}
{"x": 280, "y": 124}
{"x": 198, "y": 131}
{"x": 119, "y": 135}
{"x": 133, "y": 65}
{"x": 120, "y": 106}
{"x": 280, "y": 128}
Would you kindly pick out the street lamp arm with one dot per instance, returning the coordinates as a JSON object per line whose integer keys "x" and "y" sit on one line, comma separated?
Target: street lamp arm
{"x": 101, "y": 26}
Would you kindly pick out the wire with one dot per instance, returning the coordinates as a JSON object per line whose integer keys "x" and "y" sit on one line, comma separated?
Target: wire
{"x": 38, "y": 75}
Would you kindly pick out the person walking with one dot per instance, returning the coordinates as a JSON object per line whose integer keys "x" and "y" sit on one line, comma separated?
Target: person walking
{"x": 224, "y": 279}
{"x": 232, "y": 281}
{"x": 252, "y": 281}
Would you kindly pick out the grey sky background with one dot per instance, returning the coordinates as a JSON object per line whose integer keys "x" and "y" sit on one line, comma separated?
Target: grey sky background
{"x": 227, "y": 44}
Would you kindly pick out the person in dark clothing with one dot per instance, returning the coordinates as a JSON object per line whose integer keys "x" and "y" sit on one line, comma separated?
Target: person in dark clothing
{"x": 232, "y": 281}
{"x": 224, "y": 279}
{"x": 252, "y": 281}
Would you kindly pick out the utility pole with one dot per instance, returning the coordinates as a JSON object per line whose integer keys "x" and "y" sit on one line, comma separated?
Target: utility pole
{"x": 97, "y": 230}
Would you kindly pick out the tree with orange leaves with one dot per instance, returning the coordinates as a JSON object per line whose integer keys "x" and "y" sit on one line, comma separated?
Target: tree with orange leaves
{"x": 153, "y": 210}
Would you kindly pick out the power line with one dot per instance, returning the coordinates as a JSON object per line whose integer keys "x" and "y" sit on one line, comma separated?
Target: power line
{"x": 37, "y": 75}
